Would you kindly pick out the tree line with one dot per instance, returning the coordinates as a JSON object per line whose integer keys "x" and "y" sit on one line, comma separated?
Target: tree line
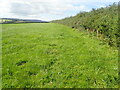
{"x": 103, "y": 22}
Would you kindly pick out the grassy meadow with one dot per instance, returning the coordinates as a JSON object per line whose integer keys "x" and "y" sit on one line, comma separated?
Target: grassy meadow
{"x": 49, "y": 55}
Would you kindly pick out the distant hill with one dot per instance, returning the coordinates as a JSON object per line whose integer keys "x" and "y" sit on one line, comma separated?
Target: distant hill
{"x": 16, "y": 20}
{"x": 103, "y": 22}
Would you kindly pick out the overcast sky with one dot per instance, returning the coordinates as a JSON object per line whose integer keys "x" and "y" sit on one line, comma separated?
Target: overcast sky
{"x": 48, "y": 9}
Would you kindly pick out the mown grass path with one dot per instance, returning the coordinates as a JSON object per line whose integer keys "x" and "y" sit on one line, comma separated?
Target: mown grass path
{"x": 54, "y": 56}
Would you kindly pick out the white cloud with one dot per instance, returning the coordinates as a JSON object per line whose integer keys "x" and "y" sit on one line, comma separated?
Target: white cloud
{"x": 42, "y": 9}
{"x": 101, "y": 6}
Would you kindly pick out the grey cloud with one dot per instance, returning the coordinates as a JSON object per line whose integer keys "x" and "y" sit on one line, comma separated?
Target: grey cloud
{"x": 26, "y": 9}
{"x": 20, "y": 9}
{"x": 43, "y": 9}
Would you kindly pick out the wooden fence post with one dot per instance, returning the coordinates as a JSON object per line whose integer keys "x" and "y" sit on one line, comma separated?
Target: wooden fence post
{"x": 97, "y": 33}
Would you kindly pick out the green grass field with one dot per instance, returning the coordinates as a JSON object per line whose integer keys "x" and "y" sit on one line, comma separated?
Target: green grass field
{"x": 48, "y": 55}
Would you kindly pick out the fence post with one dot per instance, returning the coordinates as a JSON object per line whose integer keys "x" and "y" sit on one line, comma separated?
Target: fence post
{"x": 97, "y": 33}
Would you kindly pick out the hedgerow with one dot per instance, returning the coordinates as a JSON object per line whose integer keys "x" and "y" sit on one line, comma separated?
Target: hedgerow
{"x": 103, "y": 22}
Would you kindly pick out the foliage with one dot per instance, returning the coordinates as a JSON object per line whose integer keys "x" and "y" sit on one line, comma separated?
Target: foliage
{"x": 102, "y": 20}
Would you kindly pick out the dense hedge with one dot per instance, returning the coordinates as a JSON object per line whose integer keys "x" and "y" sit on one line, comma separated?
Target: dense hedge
{"x": 103, "y": 22}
